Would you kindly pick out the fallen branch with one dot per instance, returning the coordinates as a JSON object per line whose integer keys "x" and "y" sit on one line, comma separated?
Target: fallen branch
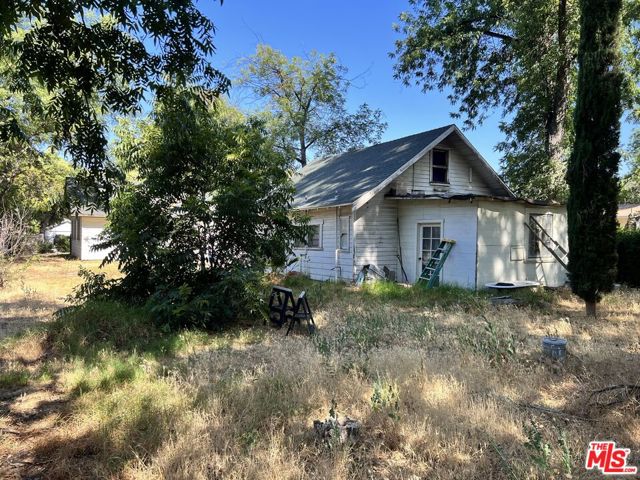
{"x": 628, "y": 389}
{"x": 552, "y": 411}
{"x": 538, "y": 408}
{"x": 616, "y": 387}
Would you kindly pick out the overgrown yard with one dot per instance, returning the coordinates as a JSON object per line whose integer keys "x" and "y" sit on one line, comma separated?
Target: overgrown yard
{"x": 444, "y": 384}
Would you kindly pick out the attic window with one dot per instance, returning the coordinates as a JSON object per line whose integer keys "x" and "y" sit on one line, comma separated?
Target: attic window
{"x": 439, "y": 166}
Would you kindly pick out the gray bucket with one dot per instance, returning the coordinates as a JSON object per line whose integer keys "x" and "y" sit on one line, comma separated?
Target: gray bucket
{"x": 554, "y": 347}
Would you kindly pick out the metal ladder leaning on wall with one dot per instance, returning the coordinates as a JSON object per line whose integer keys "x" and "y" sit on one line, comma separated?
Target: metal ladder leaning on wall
{"x": 436, "y": 262}
{"x": 558, "y": 251}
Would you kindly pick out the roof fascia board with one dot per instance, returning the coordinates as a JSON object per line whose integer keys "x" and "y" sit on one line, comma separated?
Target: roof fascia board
{"x": 482, "y": 159}
{"x": 321, "y": 207}
{"x": 365, "y": 197}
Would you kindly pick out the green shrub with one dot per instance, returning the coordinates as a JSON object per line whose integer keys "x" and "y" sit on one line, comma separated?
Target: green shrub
{"x": 209, "y": 208}
{"x": 386, "y": 397}
{"x": 45, "y": 247}
{"x": 207, "y": 305}
{"x": 94, "y": 286}
{"x": 62, "y": 243}
{"x": 629, "y": 257}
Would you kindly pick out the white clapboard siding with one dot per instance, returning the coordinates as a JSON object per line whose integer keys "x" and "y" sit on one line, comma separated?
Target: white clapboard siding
{"x": 89, "y": 229}
{"x": 376, "y": 234}
{"x": 459, "y": 223}
{"x": 503, "y": 244}
{"x": 320, "y": 264}
{"x": 417, "y": 178}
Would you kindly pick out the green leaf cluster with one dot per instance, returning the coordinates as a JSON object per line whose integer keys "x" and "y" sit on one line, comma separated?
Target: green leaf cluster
{"x": 95, "y": 58}
{"x": 32, "y": 174}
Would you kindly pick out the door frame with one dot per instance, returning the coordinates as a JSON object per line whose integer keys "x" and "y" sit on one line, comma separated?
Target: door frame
{"x": 419, "y": 226}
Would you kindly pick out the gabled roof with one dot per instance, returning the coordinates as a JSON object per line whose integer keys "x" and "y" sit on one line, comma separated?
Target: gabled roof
{"x": 356, "y": 176}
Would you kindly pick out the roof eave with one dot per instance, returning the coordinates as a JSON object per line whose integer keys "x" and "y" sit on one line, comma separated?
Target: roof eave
{"x": 471, "y": 196}
{"x": 321, "y": 206}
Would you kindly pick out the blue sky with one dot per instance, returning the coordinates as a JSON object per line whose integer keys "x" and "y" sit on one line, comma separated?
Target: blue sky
{"x": 360, "y": 33}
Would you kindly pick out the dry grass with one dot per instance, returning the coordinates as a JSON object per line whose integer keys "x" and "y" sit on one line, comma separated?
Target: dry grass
{"x": 37, "y": 289}
{"x": 427, "y": 376}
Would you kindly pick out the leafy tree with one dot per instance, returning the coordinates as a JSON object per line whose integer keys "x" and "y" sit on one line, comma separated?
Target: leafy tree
{"x": 515, "y": 57}
{"x": 630, "y": 183}
{"x": 630, "y": 187}
{"x": 32, "y": 179}
{"x": 593, "y": 165}
{"x": 210, "y": 207}
{"x": 307, "y": 97}
{"x": 99, "y": 57}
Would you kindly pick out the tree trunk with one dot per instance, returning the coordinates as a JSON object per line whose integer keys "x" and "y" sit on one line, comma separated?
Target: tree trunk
{"x": 557, "y": 113}
{"x": 590, "y": 308}
{"x": 303, "y": 150}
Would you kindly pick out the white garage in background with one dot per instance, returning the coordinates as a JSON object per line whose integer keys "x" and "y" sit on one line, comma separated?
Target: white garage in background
{"x": 391, "y": 204}
{"x": 86, "y": 225}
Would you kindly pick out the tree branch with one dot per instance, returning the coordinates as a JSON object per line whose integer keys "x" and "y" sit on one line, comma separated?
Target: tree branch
{"x": 501, "y": 36}
{"x": 471, "y": 25}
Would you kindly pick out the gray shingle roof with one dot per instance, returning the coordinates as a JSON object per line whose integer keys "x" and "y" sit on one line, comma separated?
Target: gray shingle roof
{"x": 342, "y": 179}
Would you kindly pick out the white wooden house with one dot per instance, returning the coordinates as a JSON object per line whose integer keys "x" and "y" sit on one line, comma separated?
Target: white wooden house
{"x": 390, "y": 204}
{"x": 86, "y": 225}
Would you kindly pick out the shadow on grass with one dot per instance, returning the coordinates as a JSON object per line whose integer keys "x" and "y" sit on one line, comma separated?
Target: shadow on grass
{"x": 99, "y": 330}
{"x": 30, "y": 304}
{"x": 126, "y": 425}
{"x": 98, "y": 326}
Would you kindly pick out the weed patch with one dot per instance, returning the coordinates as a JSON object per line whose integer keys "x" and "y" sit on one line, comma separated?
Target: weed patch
{"x": 492, "y": 342}
{"x": 14, "y": 377}
{"x": 386, "y": 397}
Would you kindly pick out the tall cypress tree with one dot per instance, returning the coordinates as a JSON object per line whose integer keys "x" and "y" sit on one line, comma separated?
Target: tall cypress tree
{"x": 593, "y": 167}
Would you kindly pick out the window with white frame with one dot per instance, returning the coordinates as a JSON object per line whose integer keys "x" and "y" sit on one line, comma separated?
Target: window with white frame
{"x": 344, "y": 233}
{"x": 541, "y": 229}
{"x": 440, "y": 166}
{"x": 313, "y": 238}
